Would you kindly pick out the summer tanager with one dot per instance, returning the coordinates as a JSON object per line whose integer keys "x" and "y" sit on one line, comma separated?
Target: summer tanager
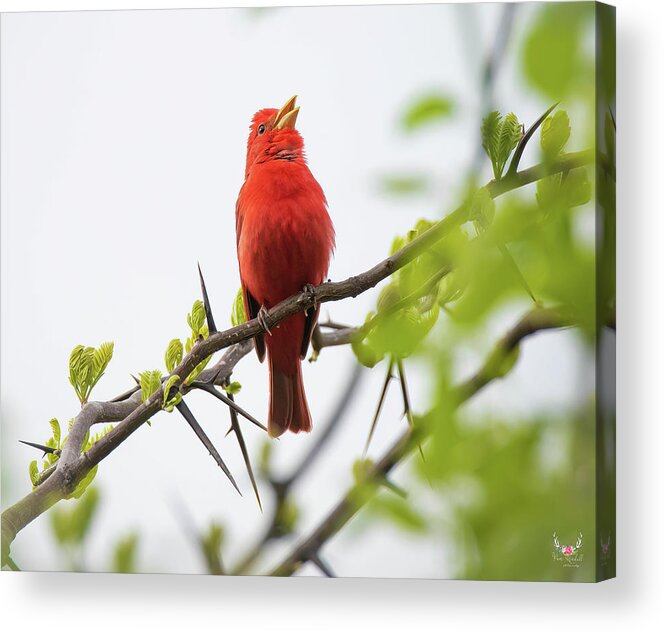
{"x": 285, "y": 239}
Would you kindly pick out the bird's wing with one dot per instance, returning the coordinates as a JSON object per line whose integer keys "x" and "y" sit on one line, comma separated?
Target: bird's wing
{"x": 252, "y": 306}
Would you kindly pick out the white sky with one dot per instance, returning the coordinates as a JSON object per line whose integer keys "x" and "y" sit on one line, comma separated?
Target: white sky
{"x": 123, "y": 140}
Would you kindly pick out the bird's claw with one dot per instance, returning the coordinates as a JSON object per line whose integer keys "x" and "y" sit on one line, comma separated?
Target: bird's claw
{"x": 262, "y": 317}
{"x": 310, "y": 291}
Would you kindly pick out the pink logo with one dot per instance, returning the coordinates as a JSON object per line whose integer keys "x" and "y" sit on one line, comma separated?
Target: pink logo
{"x": 568, "y": 552}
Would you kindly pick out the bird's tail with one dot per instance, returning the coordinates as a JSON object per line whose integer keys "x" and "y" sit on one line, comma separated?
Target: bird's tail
{"x": 288, "y": 408}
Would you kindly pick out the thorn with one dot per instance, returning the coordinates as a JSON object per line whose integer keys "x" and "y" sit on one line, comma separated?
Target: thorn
{"x": 384, "y": 390}
{"x": 210, "y": 388}
{"x": 388, "y": 484}
{"x": 321, "y": 565}
{"x": 407, "y": 409}
{"x": 138, "y": 382}
{"x": 228, "y": 432}
{"x": 212, "y": 329}
{"x": 512, "y": 169}
{"x": 518, "y": 273}
{"x": 235, "y": 426}
{"x": 184, "y": 410}
{"x": 44, "y": 448}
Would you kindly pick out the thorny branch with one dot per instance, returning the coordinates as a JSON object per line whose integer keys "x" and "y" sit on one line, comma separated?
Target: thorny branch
{"x": 131, "y": 412}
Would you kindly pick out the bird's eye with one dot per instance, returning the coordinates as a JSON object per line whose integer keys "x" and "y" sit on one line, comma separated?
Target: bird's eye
{"x": 262, "y": 129}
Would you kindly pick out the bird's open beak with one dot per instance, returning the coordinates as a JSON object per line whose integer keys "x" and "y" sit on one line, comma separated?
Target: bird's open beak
{"x": 286, "y": 117}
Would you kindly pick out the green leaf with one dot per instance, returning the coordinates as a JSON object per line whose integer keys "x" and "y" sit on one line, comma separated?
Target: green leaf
{"x": 557, "y": 191}
{"x": 398, "y": 243}
{"x": 398, "y": 511}
{"x": 490, "y": 132}
{"x": 576, "y": 187}
{"x": 169, "y": 404}
{"x": 366, "y": 354}
{"x": 554, "y": 134}
{"x": 173, "y": 355}
{"x": 101, "y": 358}
{"x": 34, "y": 473}
{"x": 482, "y": 208}
{"x": 84, "y": 484}
{"x": 232, "y": 388}
{"x": 388, "y": 296}
{"x": 80, "y": 363}
{"x": 450, "y": 289}
{"x": 361, "y": 470}
{"x": 553, "y": 56}
{"x": 499, "y": 138}
{"x": 55, "y": 430}
{"x": 124, "y": 554}
{"x": 287, "y": 517}
{"x": 403, "y": 185}
{"x": 213, "y": 539}
{"x": 265, "y": 458}
{"x": 548, "y": 190}
{"x": 511, "y": 133}
{"x": 72, "y": 525}
{"x": 86, "y": 367}
{"x": 428, "y": 109}
{"x": 238, "y": 316}
{"x": 197, "y": 318}
{"x": 150, "y": 383}
{"x": 197, "y": 370}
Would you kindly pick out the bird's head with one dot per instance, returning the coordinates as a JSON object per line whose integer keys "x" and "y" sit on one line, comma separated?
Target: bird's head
{"x": 273, "y": 135}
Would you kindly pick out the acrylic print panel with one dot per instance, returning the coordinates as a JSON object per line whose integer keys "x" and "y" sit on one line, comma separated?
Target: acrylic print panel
{"x": 459, "y": 382}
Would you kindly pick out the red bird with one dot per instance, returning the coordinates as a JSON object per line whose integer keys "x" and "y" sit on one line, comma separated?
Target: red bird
{"x": 285, "y": 239}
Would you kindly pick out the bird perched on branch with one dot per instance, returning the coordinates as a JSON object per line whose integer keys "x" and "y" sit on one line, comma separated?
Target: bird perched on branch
{"x": 285, "y": 239}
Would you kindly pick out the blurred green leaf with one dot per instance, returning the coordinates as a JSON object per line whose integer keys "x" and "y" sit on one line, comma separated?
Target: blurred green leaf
{"x": 552, "y": 53}
{"x": 404, "y": 185}
{"x": 399, "y": 511}
{"x": 124, "y": 554}
{"x": 34, "y": 473}
{"x": 554, "y": 134}
{"x": 83, "y": 485}
{"x": 287, "y": 517}
{"x": 426, "y": 110}
{"x": 71, "y": 525}
{"x": 211, "y": 544}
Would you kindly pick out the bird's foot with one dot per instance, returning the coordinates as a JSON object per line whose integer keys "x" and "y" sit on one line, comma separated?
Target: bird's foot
{"x": 262, "y": 317}
{"x": 310, "y": 291}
